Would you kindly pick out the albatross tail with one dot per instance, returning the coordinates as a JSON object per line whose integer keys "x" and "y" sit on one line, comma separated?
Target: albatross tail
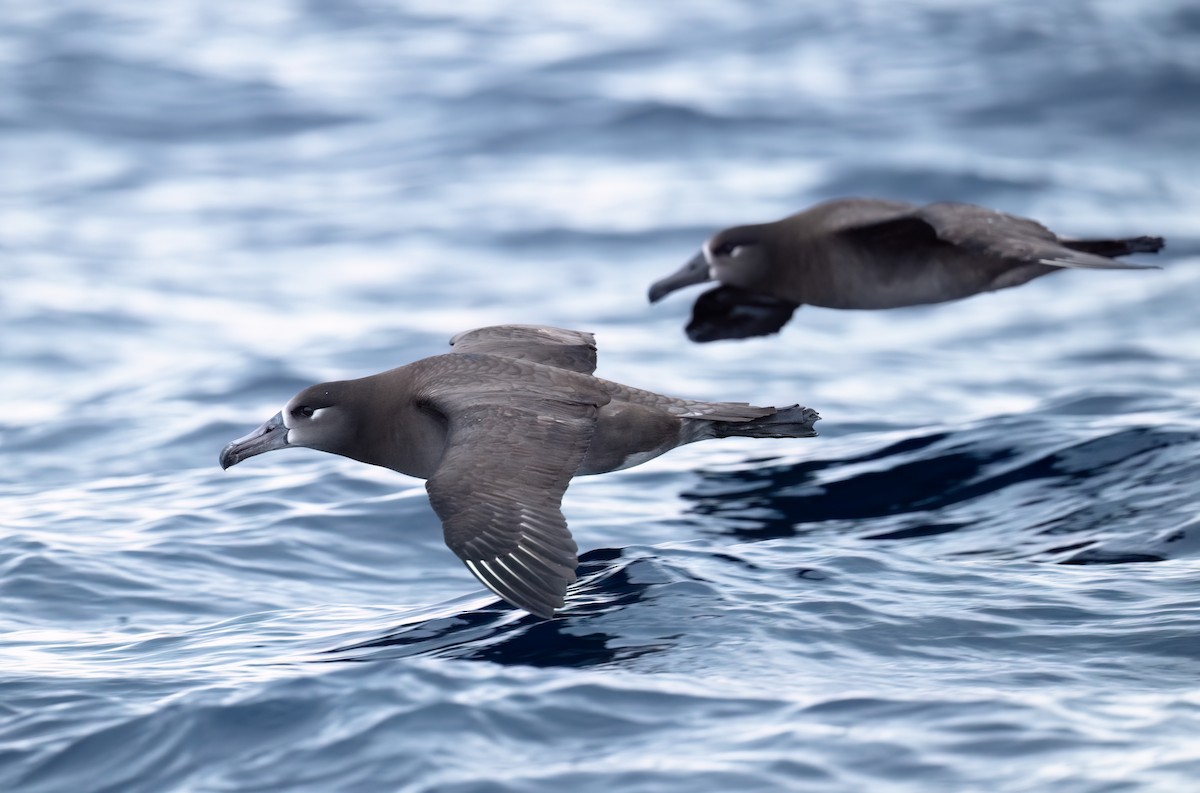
{"x": 789, "y": 422}
{"x": 1112, "y": 248}
{"x": 1097, "y": 254}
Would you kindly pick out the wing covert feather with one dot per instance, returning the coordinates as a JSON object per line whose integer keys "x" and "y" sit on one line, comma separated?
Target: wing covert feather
{"x": 574, "y": 350}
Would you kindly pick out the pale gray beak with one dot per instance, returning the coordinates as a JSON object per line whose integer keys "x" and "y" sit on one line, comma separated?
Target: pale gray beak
{"x": 694, "y": 272}
{"x": 271, "y": 435}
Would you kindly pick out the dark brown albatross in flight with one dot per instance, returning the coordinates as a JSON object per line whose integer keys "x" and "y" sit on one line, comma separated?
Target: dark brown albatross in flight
{"x": 498, "y": 427}
{"x": 869, "y": 253}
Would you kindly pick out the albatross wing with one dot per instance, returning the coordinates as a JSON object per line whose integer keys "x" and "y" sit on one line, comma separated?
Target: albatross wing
{"x": 981, "y": 230}
{"x": 567, "y": 349}
{"x": 511, "y": 450}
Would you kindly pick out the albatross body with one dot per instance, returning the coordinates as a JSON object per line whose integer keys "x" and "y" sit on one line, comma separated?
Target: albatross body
{"x": 872, "y": 254}
{"x": 498, "y": 427}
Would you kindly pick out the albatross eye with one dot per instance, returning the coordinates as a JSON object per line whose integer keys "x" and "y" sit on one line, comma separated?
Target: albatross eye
{"x": 303, "y": 410}
{"x": 727, "y": 249}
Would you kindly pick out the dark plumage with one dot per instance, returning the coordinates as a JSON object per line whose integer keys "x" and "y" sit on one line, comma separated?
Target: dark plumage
{"x": 871, "y": 254}
{"x": 498, "y": 427}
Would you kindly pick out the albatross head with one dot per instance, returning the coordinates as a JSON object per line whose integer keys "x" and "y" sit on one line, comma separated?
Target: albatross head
{"x": 735, "y": 257}
{"x": 316, "y": 418}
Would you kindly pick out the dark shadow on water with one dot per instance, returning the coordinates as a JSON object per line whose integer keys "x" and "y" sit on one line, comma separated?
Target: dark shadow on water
{"x": 931, "y": 484}
{"x": 492, "y": 634}
{"x": 1174, "y": 543}
{"x": 777, "y": 502}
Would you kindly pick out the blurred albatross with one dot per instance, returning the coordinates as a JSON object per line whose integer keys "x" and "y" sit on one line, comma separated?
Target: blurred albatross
{"x": 869, "y": 253}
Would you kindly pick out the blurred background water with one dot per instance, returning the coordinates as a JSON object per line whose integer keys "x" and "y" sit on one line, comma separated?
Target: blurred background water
{"x": 982, "y": 576}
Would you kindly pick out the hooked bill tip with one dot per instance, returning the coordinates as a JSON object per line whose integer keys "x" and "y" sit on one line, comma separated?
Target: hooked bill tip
{"x": 272, "y": 434}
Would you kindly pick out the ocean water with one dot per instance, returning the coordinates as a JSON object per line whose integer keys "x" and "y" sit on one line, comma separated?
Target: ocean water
{"x": 984, "y": 575}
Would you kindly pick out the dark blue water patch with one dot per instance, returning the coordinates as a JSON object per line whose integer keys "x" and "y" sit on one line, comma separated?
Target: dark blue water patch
{"x": 921, "y": 185}
{"x": 250, "y": 380}
{"x": 918, "y": 530}
{"x": 581, "y": 68}
{"x": 103, "y": 94}
{"x": 58, "y": 435}
{"x": 663, "y": 119}
{"x": 1121, "y": 403}
{"x": 555, "y": 242}
{"x": 491, "y": 633}
{"x": 39, "y": 587}
{"x": 1115, "y": 102}
{"x": 650, "y": 131}
{"x": 81, "y": 318}
{"x": 164, "y": 745}
{"x": 925, "y": 483}
{"x": 355, "y": 16}
{"x": 367, "y": 726}
{"x": 928, "y": 484}
{"x": 526, "y": 118}
{"x": 1179, "y": 542}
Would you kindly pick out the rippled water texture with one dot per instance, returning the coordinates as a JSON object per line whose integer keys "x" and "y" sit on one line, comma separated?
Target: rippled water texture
{"x": 983, "y": 575}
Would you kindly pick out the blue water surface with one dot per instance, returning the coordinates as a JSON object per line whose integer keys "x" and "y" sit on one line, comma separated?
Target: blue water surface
{"x": 984, "y": 575}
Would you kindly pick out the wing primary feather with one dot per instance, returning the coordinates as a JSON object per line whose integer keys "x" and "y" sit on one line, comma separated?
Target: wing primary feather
{"x": 546, "y": 552}
{"x": 483, "y": 546}
{"x": 1097, "y": 264}
{"x": 534, "y": 588}
{"x": 499, "y": 586}
{"x": 488, "y": 579}
{"x": 546, "y": 566}
{"x": 550, "y": 535}
{"x": 544, "y": 572}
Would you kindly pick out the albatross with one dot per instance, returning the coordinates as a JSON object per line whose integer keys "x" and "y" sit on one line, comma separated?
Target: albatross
{"x": 498, "y": 427}
{"x": 869, "y": 253}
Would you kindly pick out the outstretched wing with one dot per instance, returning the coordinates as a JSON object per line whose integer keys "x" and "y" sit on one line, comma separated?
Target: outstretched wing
{"x": 511, "y": 449}
{"x": 567, "y": 349}
{"x": 983, "y": 232}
